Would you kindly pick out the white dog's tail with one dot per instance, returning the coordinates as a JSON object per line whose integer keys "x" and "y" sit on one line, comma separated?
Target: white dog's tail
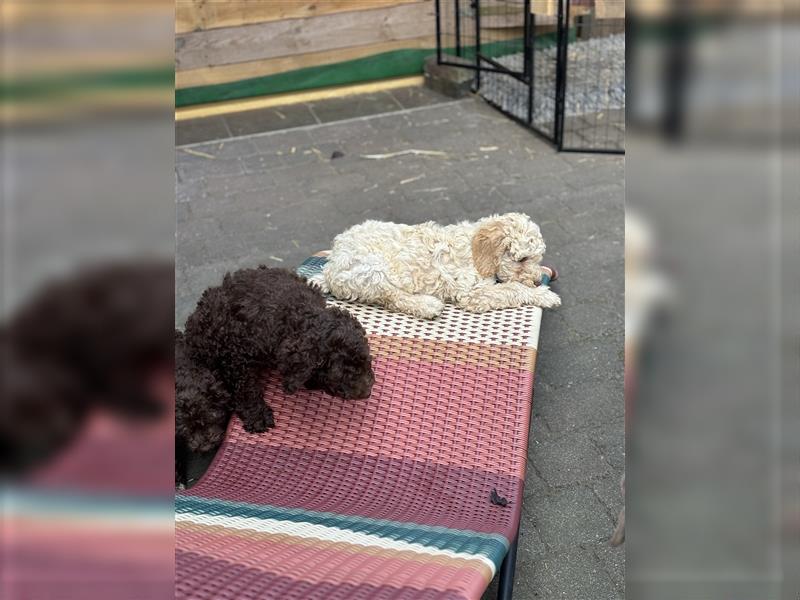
{"x": 318, "y": 282}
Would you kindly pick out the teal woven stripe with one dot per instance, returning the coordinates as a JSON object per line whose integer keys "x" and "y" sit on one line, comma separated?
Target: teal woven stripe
{"x": 492, "y": 546}
{"x": 311, "y": 266}
{"x": 30, "y": 501}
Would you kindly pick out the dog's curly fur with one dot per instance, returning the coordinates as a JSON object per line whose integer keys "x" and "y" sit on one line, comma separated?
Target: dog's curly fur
{"x": 84, "y": 341}
{"x": 202, "y": 404}
{"x": 261, "y": 319}
{"x": 489, "y": 264}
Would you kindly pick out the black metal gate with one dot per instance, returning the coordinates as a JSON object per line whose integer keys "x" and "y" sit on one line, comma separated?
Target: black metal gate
{"x": 556, "y": 66}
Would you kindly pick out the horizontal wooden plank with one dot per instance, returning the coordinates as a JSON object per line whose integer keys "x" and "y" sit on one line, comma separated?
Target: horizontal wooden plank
{"x": 202, "y": 15}
{"x": 609, "y": 9}
{"x": 17, "y": 13}
{"x": 299, "y": 36}
{"x": 271, "y": 66}
{"x": 51, "y": 63}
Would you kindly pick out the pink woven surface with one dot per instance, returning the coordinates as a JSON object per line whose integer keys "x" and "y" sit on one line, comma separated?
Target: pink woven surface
{"x": 456, "y": 432}
{"x": 446, "y": 424}
{"x": 333, "y": 563}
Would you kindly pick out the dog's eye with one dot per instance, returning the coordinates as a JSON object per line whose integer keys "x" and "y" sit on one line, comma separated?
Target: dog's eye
{"x": 522, "y": 260}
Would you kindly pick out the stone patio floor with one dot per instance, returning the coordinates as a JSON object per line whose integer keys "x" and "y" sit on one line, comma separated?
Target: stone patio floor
{"x": 263, "y": 188}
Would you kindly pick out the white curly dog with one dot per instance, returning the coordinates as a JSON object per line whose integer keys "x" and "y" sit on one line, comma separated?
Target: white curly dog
{"x": 414, "y": 269}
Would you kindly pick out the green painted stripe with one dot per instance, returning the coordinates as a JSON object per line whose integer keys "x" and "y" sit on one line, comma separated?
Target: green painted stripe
{"x": 398, "y": 63}
{"x": 50, "y": 87}
{"x": 492, "y": 546}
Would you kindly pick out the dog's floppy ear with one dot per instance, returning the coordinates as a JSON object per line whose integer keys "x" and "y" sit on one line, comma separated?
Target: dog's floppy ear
{"x": 297, "y": 359}
{"x": 488, "y": 245}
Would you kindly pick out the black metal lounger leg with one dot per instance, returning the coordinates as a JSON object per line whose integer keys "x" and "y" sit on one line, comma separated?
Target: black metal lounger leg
{"x": 505, "y": 585}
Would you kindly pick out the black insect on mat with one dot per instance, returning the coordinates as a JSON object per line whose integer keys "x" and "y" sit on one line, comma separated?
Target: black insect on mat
{"x": 497, "y": 499}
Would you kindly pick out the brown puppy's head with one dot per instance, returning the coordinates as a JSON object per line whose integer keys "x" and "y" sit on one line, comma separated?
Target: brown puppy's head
{"x": 339, "y": 362}
{"x": 508, "y": 247}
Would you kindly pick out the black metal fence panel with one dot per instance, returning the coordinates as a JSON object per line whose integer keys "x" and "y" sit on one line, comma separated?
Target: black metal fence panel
{"x": 557, "y": 66}
{"x": 473, "y": 33}
{"x": 594, "y": 99}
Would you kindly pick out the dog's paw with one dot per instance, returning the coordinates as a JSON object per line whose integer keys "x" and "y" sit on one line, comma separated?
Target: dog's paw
{"x": 427, "y": 307}
{"x": 260, "y": 423}
{"x": 546, "y": 298}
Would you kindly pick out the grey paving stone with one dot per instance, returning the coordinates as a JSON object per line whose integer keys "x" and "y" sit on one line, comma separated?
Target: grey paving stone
{"x": 384, "y": 173}
{"x": 391, "y": 124}
{"x": 589, "y": 160}
{"x": 535, "y": 487}
{"x": 574, "y": 515}
{"x": 182, "y": 214}
{"x": 290, "y": 157}
{"x": 420, "y": 207}
{"x": 610, "y": 173}
{"x": 573, "y": 574}
{"x": 554, "y": 334}
{"x": 482, "y": 200}
{"x": 587, "y": 361}
{"x": 191, "y": 168}
{"x": 600, "y": 284}
{"x": 444, "y": 136}
{"x": 594, "y": 199}
{"x": 270, "y": 119}
{"x": 350, "y": 138}
{"x": 585, "y": 254}
{"x": 280, "y": 140}
{"x": 600, "y": 221}
{"x": 374, "y": 198}
{"x": 296, "y": 180}
{"x": 581, "y": 405}
{"x": 339, "y": 109}
{"x": 613, "y": 561}
{"x": 190, "y": 190}
{"x": 539, "y": 193}
{"x": 192, "y": 243}
{"x": 224, "y": 186}
{"x": 592, "y": 320}
{"x": 531, "y": 166}
{"x": 609, "y": 493}
{"x": 415, "y": 96}
{"x": 222, "y": 148}
{"x": 193, "y": 131}
{"x": 610, "y": 440}
{"x": 220, "y": 204}
{"x": 443, "y": 116}
{"x": 567, "y": 460}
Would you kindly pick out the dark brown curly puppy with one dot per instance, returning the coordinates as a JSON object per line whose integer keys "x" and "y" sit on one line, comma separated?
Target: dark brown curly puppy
{"x": 81, "y": 342}
{"x": 202, "y": 409}
{"x": 265, "y": 318}
{"x": 202, "y": 404}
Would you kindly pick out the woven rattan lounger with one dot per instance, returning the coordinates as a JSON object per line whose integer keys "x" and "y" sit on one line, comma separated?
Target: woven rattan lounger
{"x": 413, "y": 493}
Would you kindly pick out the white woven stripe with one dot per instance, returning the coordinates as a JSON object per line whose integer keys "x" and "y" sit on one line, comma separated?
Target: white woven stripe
{"x": 321, "y": 532}
{"x": 511, "y": 326}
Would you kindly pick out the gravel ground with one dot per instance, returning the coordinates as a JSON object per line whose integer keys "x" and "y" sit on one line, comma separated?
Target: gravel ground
{"x": 595, "y": 80}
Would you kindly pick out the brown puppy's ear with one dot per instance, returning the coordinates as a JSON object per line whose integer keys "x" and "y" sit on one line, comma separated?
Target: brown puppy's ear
{"x": 488, "y": 245}
{"x": 297, "y": 359}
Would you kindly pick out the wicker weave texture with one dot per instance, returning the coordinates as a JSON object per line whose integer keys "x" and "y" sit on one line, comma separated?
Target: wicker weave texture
{"x": 382, "y": 498}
